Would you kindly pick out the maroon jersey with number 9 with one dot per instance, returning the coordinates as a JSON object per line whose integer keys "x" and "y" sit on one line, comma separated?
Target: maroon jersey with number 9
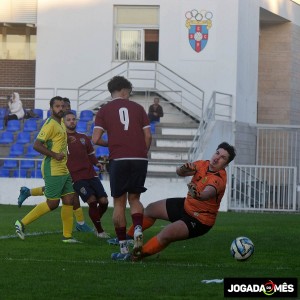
{"x": 124, "y": 121}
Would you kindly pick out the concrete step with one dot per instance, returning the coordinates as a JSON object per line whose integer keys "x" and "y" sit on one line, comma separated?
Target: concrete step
{"x": 179, "y": 156}
{"x": 179, "y": 131}
{"x": 162, "y": 168}
{"x": 168, "y": 149}
{"x": 154, "y": 174}
{"x": 177, "y": 125}
{"x": 159, "y": 136}
{"x": 173, "y": 144}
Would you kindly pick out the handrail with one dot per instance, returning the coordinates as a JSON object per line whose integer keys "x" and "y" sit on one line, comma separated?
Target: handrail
{"x": 152, "y": 76}
{"x": 212, "y": 112}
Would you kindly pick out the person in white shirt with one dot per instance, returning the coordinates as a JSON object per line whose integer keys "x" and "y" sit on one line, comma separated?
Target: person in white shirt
{"x": 16, "y": 111}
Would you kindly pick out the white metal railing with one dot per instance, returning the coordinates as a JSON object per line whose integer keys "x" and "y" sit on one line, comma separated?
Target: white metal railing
{"x": 17, "y": 170}
{"x": 278, "y": 145}
{"x": 219, "y": 107}
{"x": 264, "y": 188}
{"x": 147, "y": 76}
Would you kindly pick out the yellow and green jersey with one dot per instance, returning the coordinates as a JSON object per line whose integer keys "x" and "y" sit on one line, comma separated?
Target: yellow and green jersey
{"x": 54, "y": 137}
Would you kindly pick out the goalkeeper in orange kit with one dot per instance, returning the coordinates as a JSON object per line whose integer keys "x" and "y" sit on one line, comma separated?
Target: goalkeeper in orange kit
{"x": 195, "y": 214}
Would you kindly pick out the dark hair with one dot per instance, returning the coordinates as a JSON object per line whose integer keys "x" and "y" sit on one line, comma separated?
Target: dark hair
{"x": 54, "y": 99}
{"x": 118, "y": 83}
{"x": 69, "y": 112}
{"x": 66, "y": 100}
{"x": 230, "y": 149}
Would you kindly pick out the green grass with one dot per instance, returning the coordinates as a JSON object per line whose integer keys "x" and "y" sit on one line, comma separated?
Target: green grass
{"x": 42, "y": 267}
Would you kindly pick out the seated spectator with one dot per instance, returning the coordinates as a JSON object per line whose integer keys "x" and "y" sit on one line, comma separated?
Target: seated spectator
{"x": 155, "y": 111}
{"x": 16, "y": 111}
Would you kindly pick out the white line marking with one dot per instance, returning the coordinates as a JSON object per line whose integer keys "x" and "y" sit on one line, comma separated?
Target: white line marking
{"x": 12, "y": 236}
{"x": 109, "y": 261}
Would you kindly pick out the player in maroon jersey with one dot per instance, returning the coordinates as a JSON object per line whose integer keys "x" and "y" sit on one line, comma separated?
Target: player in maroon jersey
{"x": 86, "y": 183}
{"x": 129, "y": 139}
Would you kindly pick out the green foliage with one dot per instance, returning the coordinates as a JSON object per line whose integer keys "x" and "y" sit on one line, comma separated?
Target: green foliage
{"x": 42, "y": 267}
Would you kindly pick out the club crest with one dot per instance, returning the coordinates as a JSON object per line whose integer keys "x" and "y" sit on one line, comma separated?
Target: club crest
{"x": 198, "y": 25}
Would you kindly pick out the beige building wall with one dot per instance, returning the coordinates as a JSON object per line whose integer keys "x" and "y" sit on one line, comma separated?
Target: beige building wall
{"x": 274, "y": 69}
{"x": 295, "y": 76}
{"x": 279, "y": 74}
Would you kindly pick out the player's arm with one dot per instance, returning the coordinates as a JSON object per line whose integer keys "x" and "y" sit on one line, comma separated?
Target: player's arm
{"x": 39, "y": 147}
{"x": 96, "y": 137}
{"x": 208, "y": 192}
{"x": 188, "y": 169}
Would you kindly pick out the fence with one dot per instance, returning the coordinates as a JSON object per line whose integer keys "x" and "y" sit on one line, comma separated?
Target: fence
{"x": 264, "y": 188}
{"x": 218, "y": 108}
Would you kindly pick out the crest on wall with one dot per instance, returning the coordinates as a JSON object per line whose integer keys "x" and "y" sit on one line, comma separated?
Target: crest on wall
{"x": 198, "y": 24}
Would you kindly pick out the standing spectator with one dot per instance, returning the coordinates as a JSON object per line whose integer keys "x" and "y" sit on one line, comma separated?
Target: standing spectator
{"x": 52, "y": 143}
{"x": 129, "y": 139}
{"x": 86, "y": 183}
{"x": 16, "y": 111}
{"x": 155, "y": 111}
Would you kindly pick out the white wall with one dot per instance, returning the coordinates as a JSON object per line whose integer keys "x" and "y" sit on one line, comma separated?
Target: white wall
{"x": 157, "y": 189}
{"x": 247, "y": 66}
{"x": 75, "y": 39}
{"x": 69, "y": 55}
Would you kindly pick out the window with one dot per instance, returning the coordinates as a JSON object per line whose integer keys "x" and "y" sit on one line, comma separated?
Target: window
{"x": 136, "y": 33}
{"x": 17, "y": 42}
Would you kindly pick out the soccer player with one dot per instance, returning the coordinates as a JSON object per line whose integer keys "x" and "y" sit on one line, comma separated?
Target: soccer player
{"x": 25, "y": 192}
{"x": 195, "y": 214}
{"x": 52, "y": 143}
{"x": 81, "y": 162}
{"x": 129, "y": 139}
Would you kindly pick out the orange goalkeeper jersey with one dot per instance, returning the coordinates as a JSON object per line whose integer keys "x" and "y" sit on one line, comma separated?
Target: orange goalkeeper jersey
{"x": 206, "y": 211}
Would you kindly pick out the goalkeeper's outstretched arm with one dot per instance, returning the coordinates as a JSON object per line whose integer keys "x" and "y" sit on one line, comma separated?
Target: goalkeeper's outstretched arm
{"x": 188, "y": 169}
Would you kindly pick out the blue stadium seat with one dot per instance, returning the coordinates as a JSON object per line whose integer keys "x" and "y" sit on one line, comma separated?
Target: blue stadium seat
{"x": 82, "y": 126}
{"x": 39, "y": 164}
{"x": 86, "y": 115}
{"x": 1, "y": 123}
{"x": 27, "y": 164}
{"x": 30, "y": 125}
{"x": 16, "y": 150}
{"x": 13, "y": 125}
{"x": 23, "y": 137}
{"x": 39, "y": 112}
{"x": 4, "y": 172}
{"x": 10, "y": 164}
{"x": 3, "y": 112}
{"x": 31, "y": 152}
{"x": 37, "y": 173}
{"x": 7, "y": 137}
{"x": 104, "y": 136}
{"x": 21, "y": 173}
{"x": 101, "y": 151}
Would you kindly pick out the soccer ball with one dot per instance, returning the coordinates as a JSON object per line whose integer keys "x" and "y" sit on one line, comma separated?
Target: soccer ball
{"x": 241, "y": 248}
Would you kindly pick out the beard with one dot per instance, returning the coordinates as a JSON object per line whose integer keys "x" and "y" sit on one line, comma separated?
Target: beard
{"x": 59, "y": 114}
{"x": 71, "y": 127}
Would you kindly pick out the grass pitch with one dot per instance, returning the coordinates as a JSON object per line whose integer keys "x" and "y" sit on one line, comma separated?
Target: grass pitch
{"x": 42, "y": 267}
